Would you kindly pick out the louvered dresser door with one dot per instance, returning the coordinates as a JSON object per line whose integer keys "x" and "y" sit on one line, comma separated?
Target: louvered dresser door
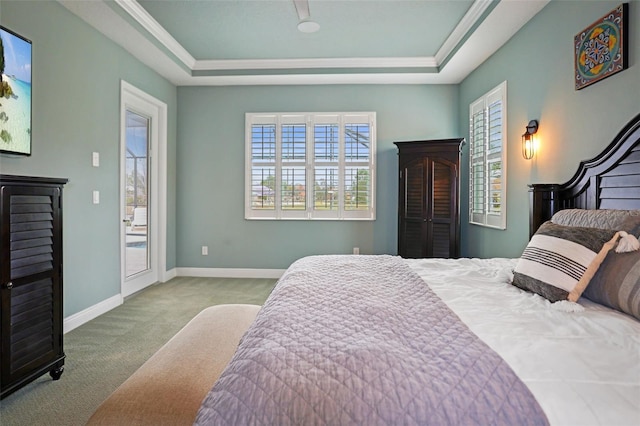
{"x": 31, "y": 280}
{"x": 428, "y": 198}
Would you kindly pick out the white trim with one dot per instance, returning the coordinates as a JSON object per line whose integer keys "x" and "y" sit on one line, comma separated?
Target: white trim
{"x": 168, "y": 275}
{"x": 460, "y": 31}
{"x": 129, "y": 288}
{"x": 246, "y": 64}
{"x": 230, "y": 273}
{"x": 107, "y": 21}
{"x": 162, "y": 159}
{"x": 505, "y": 20}
{"x": 318, "y": 79}
{"x": 132, "y": 97}
{"x": 76, "y": 320}
{"x": 147, "y": 21}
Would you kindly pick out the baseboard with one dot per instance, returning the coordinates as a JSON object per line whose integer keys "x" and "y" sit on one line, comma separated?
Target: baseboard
{"x": 229, "y": 273}
{"x": 77, "y": 319}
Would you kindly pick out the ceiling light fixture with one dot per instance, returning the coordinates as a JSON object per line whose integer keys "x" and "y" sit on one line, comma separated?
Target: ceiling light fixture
{"x": 305, "y": 23}
{"x": 308, "y": 26}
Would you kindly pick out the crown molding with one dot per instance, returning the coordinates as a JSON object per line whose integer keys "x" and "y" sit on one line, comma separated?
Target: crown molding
{"x": 137, "y": 12}
{"x": 317, "y": 79}
{"x": 311, "y": 63}
{"x": 505, "y": 20}
{"x": 482, "y": 30}
{"x": 461, "y": 30}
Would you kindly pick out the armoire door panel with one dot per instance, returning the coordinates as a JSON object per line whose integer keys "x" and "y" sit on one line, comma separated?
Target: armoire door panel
{"x": 413, "y": 243}
{"x": 414, "y": 190}
{"x": 441, "y": 240}
{"x": 443, "y": 182}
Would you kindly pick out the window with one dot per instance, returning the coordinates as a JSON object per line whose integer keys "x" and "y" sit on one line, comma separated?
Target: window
{"x": 310, "y": 166}
{"x": 487, "y": 159}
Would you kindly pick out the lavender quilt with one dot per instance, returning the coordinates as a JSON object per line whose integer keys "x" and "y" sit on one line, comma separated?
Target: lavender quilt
{"x": 363, "y": 340}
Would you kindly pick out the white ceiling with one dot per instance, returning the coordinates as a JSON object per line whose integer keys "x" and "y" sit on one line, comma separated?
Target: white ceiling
{"x": 248, "y": 42}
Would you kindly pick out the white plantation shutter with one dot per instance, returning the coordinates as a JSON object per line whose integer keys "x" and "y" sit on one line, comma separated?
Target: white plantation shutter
{"x": 291, "y": 201}
{"x": 487, "y": 159}
{"x": 494, "y": 158}
{"x": 310, "y": 166}
{"x": 477, "y": 166}
{"x": 263, "y": 170}
{"x": 357, "y": 194}
{"x": 326, "y": 164}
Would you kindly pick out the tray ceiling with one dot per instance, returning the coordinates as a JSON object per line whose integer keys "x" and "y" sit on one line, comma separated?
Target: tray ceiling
{"x": 242, "y": 42}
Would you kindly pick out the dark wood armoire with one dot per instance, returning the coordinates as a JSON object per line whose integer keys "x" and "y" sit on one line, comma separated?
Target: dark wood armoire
{"x": 31, "y": 323}
{"x": 429, "y": 198}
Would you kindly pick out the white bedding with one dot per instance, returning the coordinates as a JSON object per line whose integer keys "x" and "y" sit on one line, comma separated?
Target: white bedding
{"x": 582, "y": 366}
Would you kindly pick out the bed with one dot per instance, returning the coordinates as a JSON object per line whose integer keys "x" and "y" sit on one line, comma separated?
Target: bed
{"x": 581, "y": 367}
{"x": 384, "y": 340}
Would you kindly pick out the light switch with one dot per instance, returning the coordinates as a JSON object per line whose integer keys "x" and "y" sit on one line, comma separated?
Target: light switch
{"x": 95, "y": 159}
{"x": 96, "y": 197}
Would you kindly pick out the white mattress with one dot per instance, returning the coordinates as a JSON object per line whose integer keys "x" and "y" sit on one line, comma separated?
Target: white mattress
{"x": 583, "y": 367}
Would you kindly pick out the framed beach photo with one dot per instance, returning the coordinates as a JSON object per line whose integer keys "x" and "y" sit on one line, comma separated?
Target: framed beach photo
{"x": 601, "y": 49}
{"x": 15, "y": 93}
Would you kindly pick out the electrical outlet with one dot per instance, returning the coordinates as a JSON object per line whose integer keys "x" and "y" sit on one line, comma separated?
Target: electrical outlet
{"x": 95, "y": 159}
{"x": 205, "y": 250}
{"x": 96, "y": 197}
{"x": 356, "y": 250}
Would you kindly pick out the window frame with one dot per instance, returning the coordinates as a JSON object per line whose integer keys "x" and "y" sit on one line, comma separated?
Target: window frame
{"x": 341, "y": 119}
{"x": 481, "y": 155}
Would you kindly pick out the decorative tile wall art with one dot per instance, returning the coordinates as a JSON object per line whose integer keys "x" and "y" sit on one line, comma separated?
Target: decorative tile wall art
{"x": 601, "y": 49}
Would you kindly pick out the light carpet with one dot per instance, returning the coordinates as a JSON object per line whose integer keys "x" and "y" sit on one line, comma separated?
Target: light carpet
{"x": 104, "y": 352}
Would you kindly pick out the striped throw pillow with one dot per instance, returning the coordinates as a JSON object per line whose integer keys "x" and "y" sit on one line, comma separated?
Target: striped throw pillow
{"x": 559, "y": 261}
{"x": 616, "y": 284}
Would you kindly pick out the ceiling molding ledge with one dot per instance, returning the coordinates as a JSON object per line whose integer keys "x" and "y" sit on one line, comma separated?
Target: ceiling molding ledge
{"x": 504, "y": 21}
{"x": 139, "y": 13}
{"x": 289, "y": 64}
{"x": 460, "y": 32}
{"x": 107, "y": 21}
{"x": 316, "y": 79}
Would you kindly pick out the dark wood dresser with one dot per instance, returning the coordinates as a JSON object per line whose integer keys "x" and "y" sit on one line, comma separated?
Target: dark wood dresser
{"x": 31, "y": 328}
{"x": 429, "y": 198}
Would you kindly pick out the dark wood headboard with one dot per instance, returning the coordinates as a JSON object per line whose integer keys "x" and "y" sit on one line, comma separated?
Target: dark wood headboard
{"x": 611, "y": 180}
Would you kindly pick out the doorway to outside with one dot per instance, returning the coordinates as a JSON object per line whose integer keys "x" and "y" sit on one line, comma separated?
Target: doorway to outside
{"x": 142, "y": 187}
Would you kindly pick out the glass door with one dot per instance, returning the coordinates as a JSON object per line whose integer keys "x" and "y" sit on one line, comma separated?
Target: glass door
{"x": 142, "y": 133}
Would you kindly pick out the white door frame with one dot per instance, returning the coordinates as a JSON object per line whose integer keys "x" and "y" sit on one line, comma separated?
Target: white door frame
{"x": 136, "y": 100}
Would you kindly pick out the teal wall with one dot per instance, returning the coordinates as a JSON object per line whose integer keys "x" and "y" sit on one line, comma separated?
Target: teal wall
{"x": 537, "y": 64}
{"x": 210, "y": 191}
{"x": 76, "y": 78}
{"x": 76, "y": 102}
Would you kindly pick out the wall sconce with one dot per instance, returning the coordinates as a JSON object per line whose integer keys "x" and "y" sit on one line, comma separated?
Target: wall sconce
{"x": 528, "y": 146}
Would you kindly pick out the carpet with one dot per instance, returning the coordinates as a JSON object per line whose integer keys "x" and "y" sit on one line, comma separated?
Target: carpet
{"x": 104, "y": 352}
